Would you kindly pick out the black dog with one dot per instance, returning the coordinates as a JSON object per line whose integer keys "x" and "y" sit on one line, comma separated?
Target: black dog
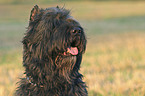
{"x": 53, "y": 48}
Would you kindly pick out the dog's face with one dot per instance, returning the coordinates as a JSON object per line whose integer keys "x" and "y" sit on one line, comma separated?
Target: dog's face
{"x": 54, "y": 31}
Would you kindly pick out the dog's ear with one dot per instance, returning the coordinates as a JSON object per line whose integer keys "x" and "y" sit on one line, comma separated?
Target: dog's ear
{"x": 34, "y": 11}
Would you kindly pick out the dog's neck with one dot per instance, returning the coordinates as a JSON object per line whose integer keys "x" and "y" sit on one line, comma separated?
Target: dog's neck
{"x": 64, "y": 64}
{"x": 30, "y": 80}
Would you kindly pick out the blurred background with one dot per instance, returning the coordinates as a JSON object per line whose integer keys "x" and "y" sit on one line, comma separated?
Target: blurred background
{"x": 114, "y": 62}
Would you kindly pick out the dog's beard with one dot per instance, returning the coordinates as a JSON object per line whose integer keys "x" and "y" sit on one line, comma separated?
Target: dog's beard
{"x": 66, "y": 60}
{"x": 65, "y": 65}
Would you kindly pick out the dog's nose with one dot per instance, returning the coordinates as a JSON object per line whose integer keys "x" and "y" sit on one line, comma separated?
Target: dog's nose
{"x": 76, "y": 31}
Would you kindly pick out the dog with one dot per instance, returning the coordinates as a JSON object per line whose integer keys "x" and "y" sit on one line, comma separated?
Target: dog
{"x": 52, "y": 53}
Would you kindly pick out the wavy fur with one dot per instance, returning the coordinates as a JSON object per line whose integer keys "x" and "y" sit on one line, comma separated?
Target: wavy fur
{"x": 48, "y": 71}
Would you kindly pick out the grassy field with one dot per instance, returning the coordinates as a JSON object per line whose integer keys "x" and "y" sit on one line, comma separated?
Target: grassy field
{"x": 114, "y": 62}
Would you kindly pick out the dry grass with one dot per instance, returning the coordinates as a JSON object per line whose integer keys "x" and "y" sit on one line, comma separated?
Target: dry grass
{"x": 10, "y": 70}
{"x": 88, "y": 10}
{"x": 113, "y": 64}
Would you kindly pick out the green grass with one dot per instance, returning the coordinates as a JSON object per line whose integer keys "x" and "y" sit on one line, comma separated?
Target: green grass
{"x": 113, "y": 64}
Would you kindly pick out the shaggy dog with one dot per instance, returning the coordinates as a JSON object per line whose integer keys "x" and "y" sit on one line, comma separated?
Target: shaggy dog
{"x": 52, "y": 53}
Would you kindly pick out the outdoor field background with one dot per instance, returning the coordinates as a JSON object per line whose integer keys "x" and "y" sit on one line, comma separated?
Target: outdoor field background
{"x": 114, "y": 62}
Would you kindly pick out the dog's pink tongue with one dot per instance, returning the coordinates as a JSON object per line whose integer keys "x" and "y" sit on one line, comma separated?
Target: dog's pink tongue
{"x": 72, "y": 50}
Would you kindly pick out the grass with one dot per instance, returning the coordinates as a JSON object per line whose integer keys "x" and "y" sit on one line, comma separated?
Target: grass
{"x": 113, "y": 64}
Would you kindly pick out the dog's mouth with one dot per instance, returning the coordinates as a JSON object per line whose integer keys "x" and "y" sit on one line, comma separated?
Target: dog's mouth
{"x": 74, "y": 43}
{"x": 72, "y": 51}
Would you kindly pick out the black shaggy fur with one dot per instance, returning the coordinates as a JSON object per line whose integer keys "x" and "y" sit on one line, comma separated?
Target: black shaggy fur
{"x": 50, "y": 70}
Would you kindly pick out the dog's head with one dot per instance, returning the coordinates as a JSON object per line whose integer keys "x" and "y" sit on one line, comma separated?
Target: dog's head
{"x": 53, "y": 31}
